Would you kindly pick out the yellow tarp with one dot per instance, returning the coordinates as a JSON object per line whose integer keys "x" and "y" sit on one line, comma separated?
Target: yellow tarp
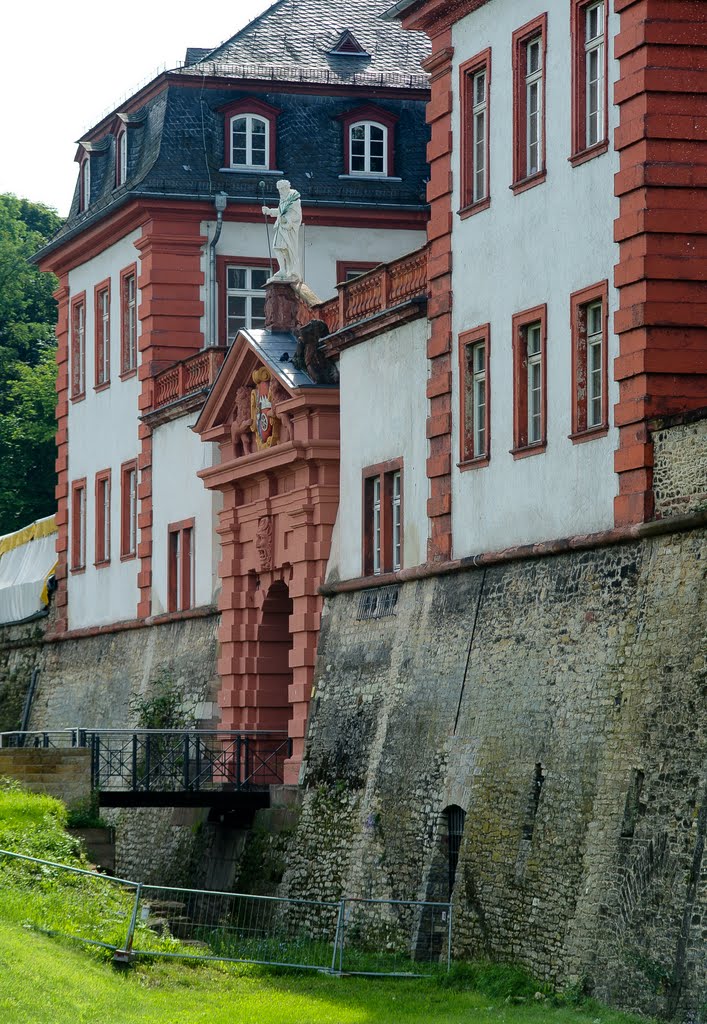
{"x": 35, "y": 530}
{"x": 27, "y": 560}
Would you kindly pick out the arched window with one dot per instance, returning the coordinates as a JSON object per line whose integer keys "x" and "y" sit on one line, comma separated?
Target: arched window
{"x": 250, "y": 141}
{"x": 368, "y": 148}
{"x": 84, "y": 184}
{"x": 121, "y": 158}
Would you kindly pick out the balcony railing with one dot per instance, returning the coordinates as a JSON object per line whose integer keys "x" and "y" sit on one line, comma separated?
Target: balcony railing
{"x": 385, "y": 287}
{"x": 190, "y": 375}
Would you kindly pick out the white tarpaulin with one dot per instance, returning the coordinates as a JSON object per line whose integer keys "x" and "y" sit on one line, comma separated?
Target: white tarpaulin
{"x": 27, "y": 559}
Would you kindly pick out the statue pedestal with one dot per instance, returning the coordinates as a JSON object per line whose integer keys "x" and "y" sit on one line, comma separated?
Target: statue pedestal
{"x": 281, "y": 305}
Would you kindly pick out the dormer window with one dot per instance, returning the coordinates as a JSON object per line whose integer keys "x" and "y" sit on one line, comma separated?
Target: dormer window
{"x": 347, "y": 45}
{"x": 121, "y": 158}
{"x": 249, "y": 142}
{"x": 369, "y": 142}
{"x": 250, "y": 135}
{"x": 84, "y": 184}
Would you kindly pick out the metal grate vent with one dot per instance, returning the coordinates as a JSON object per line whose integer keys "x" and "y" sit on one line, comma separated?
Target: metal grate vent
{"x": 377, "y": 603}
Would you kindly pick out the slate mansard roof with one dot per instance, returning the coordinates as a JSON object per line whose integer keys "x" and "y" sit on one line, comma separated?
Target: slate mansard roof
{"x": 176, "y": 138}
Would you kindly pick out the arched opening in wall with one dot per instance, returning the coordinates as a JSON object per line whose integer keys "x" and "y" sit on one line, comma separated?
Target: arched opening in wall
{"x": 273, "y": 711}
{"x": 454, "y": 817}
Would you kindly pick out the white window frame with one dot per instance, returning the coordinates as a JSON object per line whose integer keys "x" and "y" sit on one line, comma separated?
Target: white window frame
{"x": 478, "y": 399}
{"x": 534, "y": 361}
{"x": 79, "y": 326}
{"x": 534, "y": 86}
{"x": 367, "y": 172}
{"x": 479, "y": 122}
{"x": 104, "y": 326}
{"x": 396, "y": 519}
{"x": 250, "y": 119}
{"x": 594, "y": 52}
{"x": 130, "y": 285}
{"x": 121, "y": 163}
{"x": 132, "y": 510}
{"x": 377, "y": 538}
{"x": 248, "y": 293}
{"x": 85, "y": 185}
{"x": 595, "y": 341}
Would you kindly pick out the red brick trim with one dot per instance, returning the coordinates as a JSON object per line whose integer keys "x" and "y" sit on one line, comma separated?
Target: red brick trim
{"x": 468, "y": 457}
{"x": 78, "y": 347}
{"x": 662, "y": 233}
{"x": 580, "y": 152}
{"x": 78, "y": 525}
{"x": 521, "y": 321}
{"x": 61, "y": 492}
{"x": 101, "y": 550}
{"x": 180, "y": 573}
{"x": 579, "y": 301}
{"x": 522, "y": 180}
{"x": 260, "y": 108}
{"x": 439, "y": 284}
{"x": 203, "y": 612}
{"x": 376, "y": 115}
{"x": 222, "y": 262}
{"x": 467, "y": 71}
{"x": 384, "y": 472}
{"x": 101, "y": 383}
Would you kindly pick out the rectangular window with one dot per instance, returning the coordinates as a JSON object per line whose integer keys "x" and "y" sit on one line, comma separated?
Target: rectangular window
{"x": 180, "y": 566}
{"x": 78, "y": 525}
{"x": 101, "y": 320}
{"x": 382, "y": 518}
{"x": 529, "y": 381}
{"x": 78, "y": 346}
{"x": 590, "y": 406}
{"x": 529, "y": 50}
{"x": 590, "y": 129}
{"x": 244, "y": 298}
{"x": 128, "y": 321}
{"x": 475, "y": 78}
{"x": 349, "y": 270}
{"x": 128, "y": 509}
{"x": 474, "y": 348}
{"x": 102, "y": 517}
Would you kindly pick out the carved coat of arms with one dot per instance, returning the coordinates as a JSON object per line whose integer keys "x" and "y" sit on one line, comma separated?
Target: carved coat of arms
{"x": 264, "y": 424}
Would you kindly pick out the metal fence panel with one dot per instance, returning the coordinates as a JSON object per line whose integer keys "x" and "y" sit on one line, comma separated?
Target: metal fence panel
{"x": 241, "y": 927}
{"x": 394, "y": 937}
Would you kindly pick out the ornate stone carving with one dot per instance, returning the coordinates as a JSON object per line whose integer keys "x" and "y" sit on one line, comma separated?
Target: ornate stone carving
{"x": 281, "y": 307}
{"x": 288, "y": 218}
{"x": 263, "y": 543}
{"x": 278, "y": 395}
{"x": 309, "y": 356}
{"x": 242, "y": 428}
{"x": 265, "y": 426}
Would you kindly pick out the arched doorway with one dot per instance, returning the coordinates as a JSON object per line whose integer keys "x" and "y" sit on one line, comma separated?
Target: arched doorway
{"x": 274, "y": 675}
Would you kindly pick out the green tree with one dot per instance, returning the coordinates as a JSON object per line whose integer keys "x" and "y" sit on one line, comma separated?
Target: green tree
{"x": 27, "y": 365}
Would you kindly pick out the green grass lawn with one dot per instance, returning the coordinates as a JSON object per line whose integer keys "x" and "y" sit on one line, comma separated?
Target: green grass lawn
{"x": 48, "y": 981}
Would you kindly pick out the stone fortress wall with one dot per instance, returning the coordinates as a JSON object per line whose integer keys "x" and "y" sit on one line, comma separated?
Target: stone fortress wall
{"x": 560, "y": 702}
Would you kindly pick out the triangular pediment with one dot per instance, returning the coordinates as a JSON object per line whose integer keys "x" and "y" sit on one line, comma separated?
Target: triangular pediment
{"x": 347, "y": 45}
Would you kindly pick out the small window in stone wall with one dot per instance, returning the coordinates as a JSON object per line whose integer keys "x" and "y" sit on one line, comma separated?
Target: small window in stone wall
{"x": 377, "y": 603}
{"x": 455, "y": 818}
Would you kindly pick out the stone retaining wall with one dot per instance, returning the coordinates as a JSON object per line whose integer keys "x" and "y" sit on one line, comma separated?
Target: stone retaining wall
{"x": 680, "y": 468}
{"x": 560, "y": 702}
{"x": 64, "y": 774}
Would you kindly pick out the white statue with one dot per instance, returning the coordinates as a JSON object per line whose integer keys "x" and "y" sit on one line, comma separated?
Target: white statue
{"x": 288, "y": 217}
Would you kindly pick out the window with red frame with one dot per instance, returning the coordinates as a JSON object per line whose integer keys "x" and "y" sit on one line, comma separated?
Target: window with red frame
{"x": 474, "y": 350}
{"x": 529, "y": 380}
{"x": 349, "y": 270}
{"x": 475, "y": 78}
{"x": 369, "y": 142}
{"x": 102, "y": 517}
{"x": 250, "y": 135}
{"x": 590, "y": 406}
{"x": 84, "y": 184}
{"x": 383, "y": 518}
{"x": 78, "y": 346}
{"x": 101, "y": 322}
{"x": 529, "y": 51}
{"x": 128, "y": 509}
{"x": 121, "y": 158}
{"x": 590, "y": 129}
{"x": 78, "y": 525}
{"x": 180, "y": 566}
{"x": 128, "y": 321}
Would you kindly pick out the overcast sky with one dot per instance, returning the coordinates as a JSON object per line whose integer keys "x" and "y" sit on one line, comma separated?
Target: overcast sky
{"x": 65, "y": 65}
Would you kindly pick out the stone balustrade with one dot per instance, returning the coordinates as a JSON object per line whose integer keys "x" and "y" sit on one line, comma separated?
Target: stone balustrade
{"x": 190, "y": 375}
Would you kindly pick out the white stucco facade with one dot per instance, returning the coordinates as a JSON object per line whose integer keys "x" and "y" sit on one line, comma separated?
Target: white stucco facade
{"x": 383, "y": 415}
{"x": 536, "y": 247}
{"x": 178, "y": 494}
{"x": 103, "y": 434}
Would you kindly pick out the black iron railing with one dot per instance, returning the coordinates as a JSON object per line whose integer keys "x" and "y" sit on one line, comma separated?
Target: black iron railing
{"x": 170, "y": 760}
